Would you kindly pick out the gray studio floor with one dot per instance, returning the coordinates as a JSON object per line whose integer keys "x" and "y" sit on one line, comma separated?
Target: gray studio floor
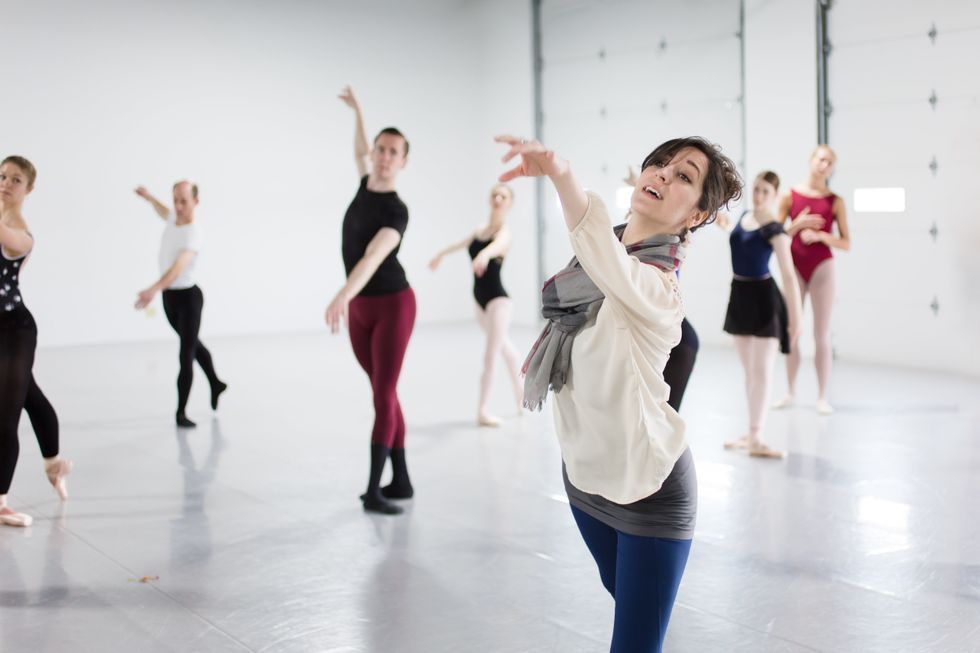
{"x": 250, "y": 536}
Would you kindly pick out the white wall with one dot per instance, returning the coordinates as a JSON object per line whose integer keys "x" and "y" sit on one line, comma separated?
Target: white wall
{"x": 881, "y": 73}
{"x": 666, "y": 70}
{"x": 781, "y": 99}
{"x": 240, "y": 96}
{"x": 886, "y": 133}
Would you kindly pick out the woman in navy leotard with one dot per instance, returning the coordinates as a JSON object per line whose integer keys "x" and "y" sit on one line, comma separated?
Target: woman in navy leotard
{"x": 757, "y": 315}
{"x": 487, "y": 247}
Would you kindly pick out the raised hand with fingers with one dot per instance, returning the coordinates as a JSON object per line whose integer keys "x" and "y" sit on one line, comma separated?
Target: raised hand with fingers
{"x": 536, "y": 159}
{"x": 347, "y": 97}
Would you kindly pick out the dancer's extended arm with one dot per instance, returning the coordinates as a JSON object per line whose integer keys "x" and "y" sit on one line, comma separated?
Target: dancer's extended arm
{"x": 183, "y": 259}
{"x": 383, "y": 244}
{"x": 161, "y": 209}
{"x": 455, "y": 247}
{"x": 361, "y": 147}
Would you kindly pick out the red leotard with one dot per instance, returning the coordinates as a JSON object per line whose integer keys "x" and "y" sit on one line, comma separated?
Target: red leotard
{"x": 808, "y": 257}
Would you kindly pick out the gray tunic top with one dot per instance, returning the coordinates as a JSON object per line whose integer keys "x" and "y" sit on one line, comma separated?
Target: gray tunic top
{"x": 669, "y": 513}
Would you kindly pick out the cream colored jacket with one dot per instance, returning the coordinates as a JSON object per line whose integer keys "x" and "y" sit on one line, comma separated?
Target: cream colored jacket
{"x": 619, "y": 438}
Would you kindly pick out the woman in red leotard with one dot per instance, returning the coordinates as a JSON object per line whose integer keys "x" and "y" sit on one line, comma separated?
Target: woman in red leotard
{"x": 813, "y": 209}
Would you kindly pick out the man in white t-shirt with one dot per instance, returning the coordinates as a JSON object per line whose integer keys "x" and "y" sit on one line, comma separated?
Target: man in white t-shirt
{"x": 183, "y": 301}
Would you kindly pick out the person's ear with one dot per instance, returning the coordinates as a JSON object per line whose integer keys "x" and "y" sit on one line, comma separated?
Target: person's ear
{"x": 697, "y": 219}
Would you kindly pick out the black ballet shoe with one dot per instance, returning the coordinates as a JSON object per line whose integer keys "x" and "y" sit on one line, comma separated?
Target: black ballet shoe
{"x": 398, "y": 491}
{"x": 185, "y": 423}
{"x": 216, "y": 391}
{"x": 377, "y": 503}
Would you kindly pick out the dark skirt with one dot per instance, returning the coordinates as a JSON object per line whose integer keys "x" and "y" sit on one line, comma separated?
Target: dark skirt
{"x": 756, "y": 308}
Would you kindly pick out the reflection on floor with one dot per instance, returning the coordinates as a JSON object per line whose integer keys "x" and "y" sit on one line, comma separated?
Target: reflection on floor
{"x": 247, "y": 534}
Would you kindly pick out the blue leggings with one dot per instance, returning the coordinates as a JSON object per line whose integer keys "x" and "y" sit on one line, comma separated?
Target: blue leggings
{"x": 642, "y": 574}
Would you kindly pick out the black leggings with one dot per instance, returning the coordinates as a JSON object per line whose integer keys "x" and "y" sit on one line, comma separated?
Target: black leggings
{"x": 680, "y": 364}
{"x": 18, "y": 391}
{"x": 183, "y": 308}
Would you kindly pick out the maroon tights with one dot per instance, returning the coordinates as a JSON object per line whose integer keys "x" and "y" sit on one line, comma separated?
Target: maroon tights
{"x": 380, "y": 327}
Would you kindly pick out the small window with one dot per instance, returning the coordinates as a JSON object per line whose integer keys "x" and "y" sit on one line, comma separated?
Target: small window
{"x": 879, "y": 200}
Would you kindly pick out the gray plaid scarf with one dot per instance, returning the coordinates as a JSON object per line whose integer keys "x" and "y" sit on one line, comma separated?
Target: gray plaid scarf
{"x": 569, "y": 299}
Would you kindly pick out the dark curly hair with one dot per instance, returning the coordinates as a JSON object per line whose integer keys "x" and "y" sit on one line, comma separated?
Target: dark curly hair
{"x": 722, "y": 183}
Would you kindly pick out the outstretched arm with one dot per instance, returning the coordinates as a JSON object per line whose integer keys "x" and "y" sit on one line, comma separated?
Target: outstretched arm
{"x": 183, "y": 259}
{"x": 383, "y": 243}
{"x": 455, "y": 247}
{"x": 361, "y": 147}
{"x": 15, "y": 242}
{"x": 639, "y": 296}
{"x": 162, "y": 210}
{"x": 538, "y": 161}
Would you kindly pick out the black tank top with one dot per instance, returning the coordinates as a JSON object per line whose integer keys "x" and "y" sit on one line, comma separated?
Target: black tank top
{"x": 489, "y": 286}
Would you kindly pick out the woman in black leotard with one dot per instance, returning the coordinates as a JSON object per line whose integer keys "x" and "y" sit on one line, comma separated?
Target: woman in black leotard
{"x": 488, "y": 246}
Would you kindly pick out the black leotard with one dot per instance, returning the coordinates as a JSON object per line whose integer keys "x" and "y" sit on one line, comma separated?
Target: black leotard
{"x": 489, "y": 286}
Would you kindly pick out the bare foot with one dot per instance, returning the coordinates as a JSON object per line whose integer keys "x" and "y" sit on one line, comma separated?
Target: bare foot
{"x": 759, "y": 450}
{"x": 487, "y": 420}
{"x": 738, "y": 443}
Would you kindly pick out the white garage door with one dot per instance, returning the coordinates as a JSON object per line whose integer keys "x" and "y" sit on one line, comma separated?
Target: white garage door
{"x": 904, "y": 91}
{"x": 620, "y": 77}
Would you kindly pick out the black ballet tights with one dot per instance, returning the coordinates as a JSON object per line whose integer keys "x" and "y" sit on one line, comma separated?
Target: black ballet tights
{"x": 183, "y": 308}
{"x": 18, "y": 339}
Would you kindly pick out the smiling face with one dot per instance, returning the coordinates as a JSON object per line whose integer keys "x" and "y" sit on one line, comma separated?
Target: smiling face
{"x": 15, "y": 184}
{"x": 668, "y": 193}
{"x": 501, "y": 197}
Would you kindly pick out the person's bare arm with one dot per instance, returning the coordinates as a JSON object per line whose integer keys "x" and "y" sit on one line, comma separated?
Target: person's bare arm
{"x": 455, "y": 247}
{"x": 361, "y": 146}
{"x": 496, "y": 248}
{"x": 183, "y": 259}
{"x": 843, "y": 240}
{"x": 161, "y": 209}
{"x": 15, "y": 242}
{"x": 383, "y": 244}
{"x": 791, "y": 287}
